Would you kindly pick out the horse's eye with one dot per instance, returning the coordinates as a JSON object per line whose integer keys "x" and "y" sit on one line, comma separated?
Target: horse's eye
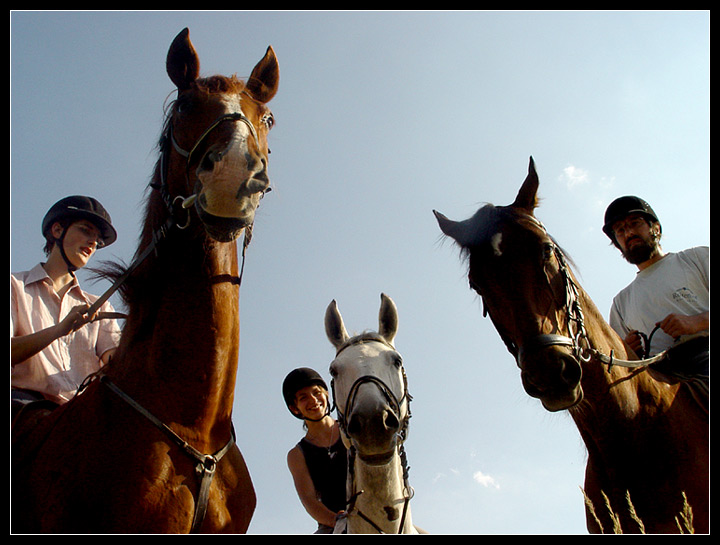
{"x": 548, "y": 251}
{"x": 183, "y": 104}
{"x": 397, "y": 360}
{"x": 333, "y": 371}
{"x": 269, "y": 121}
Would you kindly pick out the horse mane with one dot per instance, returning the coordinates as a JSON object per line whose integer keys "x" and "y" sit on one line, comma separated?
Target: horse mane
{"x": 485, "y": 223}
{"x": 364, "y": 337}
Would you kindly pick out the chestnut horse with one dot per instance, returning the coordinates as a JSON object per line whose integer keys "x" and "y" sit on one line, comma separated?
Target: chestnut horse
{"x": 148, "y": 445}
{"x": 645, "y": 434}
{"x": 369, "y": 389}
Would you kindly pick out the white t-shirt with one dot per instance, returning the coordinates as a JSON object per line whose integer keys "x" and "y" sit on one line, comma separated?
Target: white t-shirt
{"x": 678, "y": 283}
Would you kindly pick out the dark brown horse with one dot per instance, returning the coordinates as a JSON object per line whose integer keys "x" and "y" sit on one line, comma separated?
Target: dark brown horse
{"x": 645, "y": 434}
{"x": 148, "y": 446}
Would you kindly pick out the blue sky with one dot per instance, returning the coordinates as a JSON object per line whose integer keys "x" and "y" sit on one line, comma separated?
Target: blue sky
{"x": 382, "y": 117}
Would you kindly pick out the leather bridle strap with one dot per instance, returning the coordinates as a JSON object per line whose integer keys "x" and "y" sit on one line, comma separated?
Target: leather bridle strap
{"x": 206, "y": 463}
{"x": 157, "y": 237}
{"x": 234, "y": 116}
{"x": 575, "y": 339}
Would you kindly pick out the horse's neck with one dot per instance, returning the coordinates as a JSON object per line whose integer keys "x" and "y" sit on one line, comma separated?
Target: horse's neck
{"x": 621, "y": 395}
{"x": 382, "y": 499}
{"x": 179, "y": 348}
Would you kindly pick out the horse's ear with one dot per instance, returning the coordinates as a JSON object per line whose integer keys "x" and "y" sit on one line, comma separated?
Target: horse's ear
{"x": 334, "y": 326}
{"x": 527, "y": 196}
{"x": 263, "y": 82}
{"x": 183, "y": 64}
{"x": 456, "y": 230}
{"x": 388, "y": 318}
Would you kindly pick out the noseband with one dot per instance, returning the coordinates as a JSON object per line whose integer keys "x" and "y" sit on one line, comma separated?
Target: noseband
{"x": 387, "y": 392}
{"x": 234, "y": 116}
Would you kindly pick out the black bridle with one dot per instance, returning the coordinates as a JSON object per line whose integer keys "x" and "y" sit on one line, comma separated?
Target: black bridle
{"x": 577, "y": 339}
{"x": 168, "y": 140}
{"x": 387, "y": 392}
{"x": 402, "y": 434}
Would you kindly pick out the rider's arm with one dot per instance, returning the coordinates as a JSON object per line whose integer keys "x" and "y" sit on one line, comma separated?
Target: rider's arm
{"x": 306, "y": 489}
{"x": 25, "y": 346}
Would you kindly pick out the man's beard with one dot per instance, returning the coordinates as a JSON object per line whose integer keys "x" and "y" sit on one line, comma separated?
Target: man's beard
{"x": 641, "y": 252}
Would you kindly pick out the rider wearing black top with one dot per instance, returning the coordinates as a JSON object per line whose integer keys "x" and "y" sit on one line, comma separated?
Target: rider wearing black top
{"x": 328, "y": 468}
{"x": 318, "y": 462}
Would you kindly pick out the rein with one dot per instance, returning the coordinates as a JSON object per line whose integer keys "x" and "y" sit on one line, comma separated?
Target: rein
{"x": 402, "y": 434}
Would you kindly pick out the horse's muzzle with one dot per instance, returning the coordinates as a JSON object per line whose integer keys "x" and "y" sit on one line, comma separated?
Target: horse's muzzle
{"x": 374, "y": 431}
{"x": 231, "y": 179}
{"x": 552, "y": 374}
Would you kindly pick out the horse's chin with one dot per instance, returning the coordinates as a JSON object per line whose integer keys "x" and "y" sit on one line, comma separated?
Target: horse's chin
{"x": 375, "y": 450}
{"x": 552, "y": 375}
{"x": 223, "y": 229}
{"x": 377, "y": 459}
{"x": 562, "y": 402}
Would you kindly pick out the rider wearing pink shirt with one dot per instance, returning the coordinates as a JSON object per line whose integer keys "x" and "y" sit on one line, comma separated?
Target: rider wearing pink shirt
{"x": 54, "y": 344}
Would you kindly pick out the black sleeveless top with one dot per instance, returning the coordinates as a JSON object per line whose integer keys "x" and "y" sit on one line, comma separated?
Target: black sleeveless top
{"x": 328, "y": 471}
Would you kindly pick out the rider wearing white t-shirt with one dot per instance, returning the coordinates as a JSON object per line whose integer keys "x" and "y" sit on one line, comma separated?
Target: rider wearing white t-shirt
{"x": 670, "y": 293}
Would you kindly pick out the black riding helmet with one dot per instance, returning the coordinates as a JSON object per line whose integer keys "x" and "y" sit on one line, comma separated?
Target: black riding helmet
{"x": 298, "y": 379}
{"x": 623, "y": 207}
{"x": 78, "y": 207}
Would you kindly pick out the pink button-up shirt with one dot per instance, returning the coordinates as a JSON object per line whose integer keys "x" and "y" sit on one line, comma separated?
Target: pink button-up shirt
{"x": 57, "y": 370}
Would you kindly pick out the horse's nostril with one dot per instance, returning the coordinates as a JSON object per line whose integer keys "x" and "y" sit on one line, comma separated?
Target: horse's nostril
{"x": 214, "y": 155}
{"x": 530, "y": 387}
{"x": 354, "y": 426}
{"x": 391, "y": 421}
{"x": 571, "y": 372}
{"x": 208, "y": 162}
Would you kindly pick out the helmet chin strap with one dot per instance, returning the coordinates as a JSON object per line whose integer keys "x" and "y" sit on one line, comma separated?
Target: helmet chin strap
{"x": 61, "y": 244}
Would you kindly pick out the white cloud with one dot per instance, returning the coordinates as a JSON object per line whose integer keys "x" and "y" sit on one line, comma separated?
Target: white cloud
{"x": 486, "y": 480}
{"x": 573, "y": 176}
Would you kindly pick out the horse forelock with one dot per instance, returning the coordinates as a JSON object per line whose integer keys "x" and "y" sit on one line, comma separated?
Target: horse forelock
{"x": 485, "y": 229}
{"x": 207, "y": 86}
{"x": 219, "y": 84}
{"x": 366, "y": 336}
{"x": 482, "y": 228}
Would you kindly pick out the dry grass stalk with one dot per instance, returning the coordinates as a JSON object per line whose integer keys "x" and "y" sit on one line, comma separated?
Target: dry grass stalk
{"x": 687, "y": 518}
{"x": 684, "y": 520}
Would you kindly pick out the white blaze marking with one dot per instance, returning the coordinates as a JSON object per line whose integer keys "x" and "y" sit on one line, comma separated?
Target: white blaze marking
{"x": 495, "y": 242}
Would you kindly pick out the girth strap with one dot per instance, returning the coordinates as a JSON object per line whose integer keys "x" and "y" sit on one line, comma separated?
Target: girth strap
{"x": 206, "y": 463}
